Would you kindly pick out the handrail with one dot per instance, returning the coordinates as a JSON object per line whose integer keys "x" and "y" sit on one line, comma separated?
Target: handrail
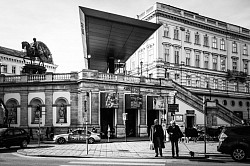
{"x": 187, "y": 96}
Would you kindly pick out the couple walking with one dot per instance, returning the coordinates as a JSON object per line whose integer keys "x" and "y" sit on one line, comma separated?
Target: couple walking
{"x": 157, "y": 137}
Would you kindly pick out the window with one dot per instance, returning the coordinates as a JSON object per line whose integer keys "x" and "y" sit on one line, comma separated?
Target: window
{"x": 166, "y": 55}
{"x": 206, "y": 44}
{"x": 197, "y": 38}
{"x": 206, "y": 61}
{"x": 214, "y": 42}
{"x": 197, "y": 60}
{"x": 224, "y": 102}
{"x": 245, "y": 63}
{"x": 232, "y": 103}
{"x": 176, "y": 55}
{"x": 240, "y": 103}
{"x": 176, "y": 76}
{"x": 187, "y": 39}
{"x": 222, "y": 44}
{"x": 166, "y": 31}
{"x": 223, "y": 85}
{"x": 4, "y": 69}
{"x": 176, "y": 34}
{"x": 13, "y": 69}
{"x": 234, "y": 65}
{"x": 215, "y": 62}
{"x": 215, "y": 83}
{"x": 234, "y": 49}
{"x": 245, "y": 50}
{"x": 188, "y": 58}
{"x": 150, "y": 51}
{"x": 223, "y": 63}
{"x": 247, "y": 87}
{"x": 188, "y": 80}
{"x": 236, "y": 87}
{"x": 198, "y": 82}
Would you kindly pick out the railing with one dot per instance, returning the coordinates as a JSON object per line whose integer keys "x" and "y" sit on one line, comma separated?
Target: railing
{"x": 196, "y": 102}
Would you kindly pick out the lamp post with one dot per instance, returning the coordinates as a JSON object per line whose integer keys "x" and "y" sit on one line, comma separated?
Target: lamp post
{"x": 141, "y": 63}
{"x": 88, "y": 57}
{"x": 119, "y": 64}
{"x": 0, "y": 67}
{"x": 248, "y": 111}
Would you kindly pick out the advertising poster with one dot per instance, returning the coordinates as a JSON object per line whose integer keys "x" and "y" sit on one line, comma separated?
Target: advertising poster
{"x": 111, "y": 100}
{"x": 158, "y": 103}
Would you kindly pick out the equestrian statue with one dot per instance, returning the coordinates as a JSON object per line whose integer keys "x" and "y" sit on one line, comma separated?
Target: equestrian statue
{"x": 37, "y": 52}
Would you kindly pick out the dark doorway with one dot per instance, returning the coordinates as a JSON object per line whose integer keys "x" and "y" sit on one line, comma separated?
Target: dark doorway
{"x": 151, "y": 116}
{"x": 107, "y": 119}
{"x": 190, "y": 121}
{"x": 131, "y": 122}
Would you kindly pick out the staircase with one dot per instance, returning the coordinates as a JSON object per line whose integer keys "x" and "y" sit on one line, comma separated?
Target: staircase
{"x": 196, "y": 102}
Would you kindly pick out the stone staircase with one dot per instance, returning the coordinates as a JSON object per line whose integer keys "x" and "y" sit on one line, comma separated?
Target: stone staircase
{"x": 196, "y": 102}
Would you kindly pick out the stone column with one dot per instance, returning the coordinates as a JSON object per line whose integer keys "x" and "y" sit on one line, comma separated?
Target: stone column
{"x": 24, "y": 109}
{"x": 48, "y": 107}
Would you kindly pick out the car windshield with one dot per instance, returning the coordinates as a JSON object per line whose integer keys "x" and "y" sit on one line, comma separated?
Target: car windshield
{"x": 2, "y": 131}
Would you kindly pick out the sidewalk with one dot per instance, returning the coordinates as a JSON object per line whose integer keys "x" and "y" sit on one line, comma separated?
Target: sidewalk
{"x": 116, "y": 148}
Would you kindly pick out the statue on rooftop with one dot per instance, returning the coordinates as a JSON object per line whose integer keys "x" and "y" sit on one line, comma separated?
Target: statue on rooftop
{"x": 37, "y": 51}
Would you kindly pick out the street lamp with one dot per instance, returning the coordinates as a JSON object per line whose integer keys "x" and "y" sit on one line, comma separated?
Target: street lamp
{"x": 141, "y": 63}
{"x": 0, "y": 67}
{"x": 119, "y": 64}
{"x": 248, "y": 110}
{"x": 88, "y": 57}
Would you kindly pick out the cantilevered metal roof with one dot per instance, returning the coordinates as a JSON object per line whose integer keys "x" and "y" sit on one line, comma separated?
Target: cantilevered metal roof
{"x": 113, "y": 36}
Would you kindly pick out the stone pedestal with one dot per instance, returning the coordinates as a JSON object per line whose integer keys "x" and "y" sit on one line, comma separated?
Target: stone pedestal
{"x": 33, "y": 69}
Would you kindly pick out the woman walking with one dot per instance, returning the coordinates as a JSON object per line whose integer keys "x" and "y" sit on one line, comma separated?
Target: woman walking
{"x": 157, "y": 137}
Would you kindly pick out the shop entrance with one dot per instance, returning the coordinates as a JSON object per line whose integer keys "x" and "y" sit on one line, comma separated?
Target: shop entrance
{"x": 131, "y": 122}
{"x": 190, "y": 121}
{"x": 107, "y": 120}
{"x": 151, "y": 116}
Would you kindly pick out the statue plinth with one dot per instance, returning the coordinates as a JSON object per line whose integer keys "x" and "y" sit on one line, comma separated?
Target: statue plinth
{"x": 33, "y": 69}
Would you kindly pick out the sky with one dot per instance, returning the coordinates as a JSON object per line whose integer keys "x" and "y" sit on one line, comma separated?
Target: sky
{"x": 57, "y": 22}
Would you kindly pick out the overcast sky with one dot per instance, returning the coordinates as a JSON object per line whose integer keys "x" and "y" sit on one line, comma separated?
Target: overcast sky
{"x": 57, "y": 23}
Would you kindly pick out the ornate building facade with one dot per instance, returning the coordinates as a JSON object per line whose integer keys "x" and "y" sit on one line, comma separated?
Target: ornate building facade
{"x": 209, "y": 57}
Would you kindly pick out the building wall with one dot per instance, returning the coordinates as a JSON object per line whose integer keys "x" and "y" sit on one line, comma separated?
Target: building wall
{"x": 202, "y": 79}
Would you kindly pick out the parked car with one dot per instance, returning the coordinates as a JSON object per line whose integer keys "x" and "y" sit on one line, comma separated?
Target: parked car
{"x": 235, "y": 141}
{"x": 78, "y": 135}
{"x": 14, "y": 137}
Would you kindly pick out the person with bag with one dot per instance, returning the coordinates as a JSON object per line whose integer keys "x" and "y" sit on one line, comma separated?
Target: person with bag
{"x": 174, "y": 134}
{"x": 157, "y": 137}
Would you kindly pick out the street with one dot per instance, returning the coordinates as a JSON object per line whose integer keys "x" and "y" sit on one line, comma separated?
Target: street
{"x": 9, "y": 157}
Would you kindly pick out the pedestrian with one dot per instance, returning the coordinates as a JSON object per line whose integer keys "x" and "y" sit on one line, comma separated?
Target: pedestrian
{"x": 174, "y": 133}
{"x": 51, "y": 132}
{"x": 47, "y": 132}
{"x": 31, "y": 134}
{"x": 157, "y": 137}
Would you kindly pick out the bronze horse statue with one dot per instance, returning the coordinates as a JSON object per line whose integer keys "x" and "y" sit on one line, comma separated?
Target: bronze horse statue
{"x": 36, "y": 50}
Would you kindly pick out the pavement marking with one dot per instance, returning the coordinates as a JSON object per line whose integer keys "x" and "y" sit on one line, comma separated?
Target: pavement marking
{"x": 120, "y": 161}
{"x": 117, "y": 163}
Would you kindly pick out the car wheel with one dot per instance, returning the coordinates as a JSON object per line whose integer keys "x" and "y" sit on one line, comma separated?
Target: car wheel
{"x": 239, "y": 154}
{"x": 61, "y": 140}
{"x": 91, "y": 140}
{"x": 24, "y": 144}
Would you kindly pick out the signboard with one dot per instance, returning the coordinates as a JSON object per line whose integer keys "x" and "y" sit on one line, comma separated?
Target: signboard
{"x": 211, "y": 104}
{"x": 190, "y": 111}
{"x": 173, "y": 107}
